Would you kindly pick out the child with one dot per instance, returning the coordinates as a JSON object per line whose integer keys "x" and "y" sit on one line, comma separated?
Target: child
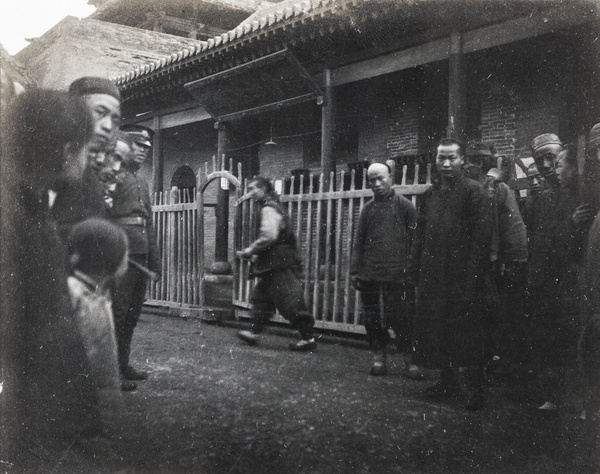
{"x": 98, "y": 252}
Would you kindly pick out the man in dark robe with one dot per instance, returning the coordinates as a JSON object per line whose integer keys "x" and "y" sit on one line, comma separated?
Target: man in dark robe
{"x": 557, "y": 235}
{"x": 450, "y": 257}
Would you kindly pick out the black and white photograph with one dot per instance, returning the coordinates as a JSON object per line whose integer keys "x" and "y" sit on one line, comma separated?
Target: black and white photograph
{"x": 299, "y": 236}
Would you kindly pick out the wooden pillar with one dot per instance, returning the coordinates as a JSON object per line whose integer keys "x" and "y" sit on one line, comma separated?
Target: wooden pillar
{"x": 221, "y": 266}
{"x": 157, "y": 157}
{"x": 327, "y": 129}
{"x": 457, "y": 90}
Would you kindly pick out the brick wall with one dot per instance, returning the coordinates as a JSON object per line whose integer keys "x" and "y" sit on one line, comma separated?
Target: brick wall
{"x": 389, "y": 125}
{"x": 513, "y": 113}
{"x": 278, "y": 160}
{"x": 499, "y": 109}
{"x": 403, "y": 128}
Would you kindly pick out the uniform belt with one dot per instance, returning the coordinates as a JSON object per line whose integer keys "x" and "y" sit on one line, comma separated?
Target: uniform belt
{"x": 130, "y": 220}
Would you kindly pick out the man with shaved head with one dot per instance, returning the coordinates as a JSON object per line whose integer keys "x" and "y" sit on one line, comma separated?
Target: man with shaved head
{"x": 450, "y": 258}
{"x": 378, "y": 266}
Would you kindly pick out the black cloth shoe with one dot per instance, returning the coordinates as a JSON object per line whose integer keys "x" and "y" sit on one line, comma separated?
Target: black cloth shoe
{"x": 304, "y": 345}
{"x": 128, "y": 385}
{"x": 131, "y": 374}
{"x": 440, "y": 391}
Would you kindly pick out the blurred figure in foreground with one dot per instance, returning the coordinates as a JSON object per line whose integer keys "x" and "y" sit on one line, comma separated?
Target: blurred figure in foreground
{"x": 46, "y": 396}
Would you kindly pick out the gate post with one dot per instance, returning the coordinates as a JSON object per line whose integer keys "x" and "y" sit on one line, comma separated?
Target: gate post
{"x": 201, "y": 188}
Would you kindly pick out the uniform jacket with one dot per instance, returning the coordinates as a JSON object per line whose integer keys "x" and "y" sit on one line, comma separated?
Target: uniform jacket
{"x": 131, "y": 198}
{"x": 383, "y": 238}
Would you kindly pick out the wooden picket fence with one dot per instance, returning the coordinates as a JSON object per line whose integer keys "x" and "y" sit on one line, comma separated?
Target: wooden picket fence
{"x": 323, "y": 211}
{"x": 323, "y": 218}
{"x": 175, "y": 218}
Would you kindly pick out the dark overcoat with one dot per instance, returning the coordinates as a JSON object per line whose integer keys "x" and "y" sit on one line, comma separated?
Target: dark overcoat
{"x": 449, "y": 259}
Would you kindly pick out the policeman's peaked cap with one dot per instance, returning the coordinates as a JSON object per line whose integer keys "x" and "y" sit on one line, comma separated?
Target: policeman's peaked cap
{"x": 139, "y": 134}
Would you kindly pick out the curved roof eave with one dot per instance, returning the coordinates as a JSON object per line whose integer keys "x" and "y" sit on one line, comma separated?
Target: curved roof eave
{"x": 285, "y": 13}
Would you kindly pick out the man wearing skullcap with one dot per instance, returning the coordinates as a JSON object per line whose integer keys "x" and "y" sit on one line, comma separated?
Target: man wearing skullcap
{"x": 104, "y": 103}
{"x": 84, "y": 198}
{"x": 132, "y": 210}
{"x": 380, "y": 251}
{"x": 558, "y": 225}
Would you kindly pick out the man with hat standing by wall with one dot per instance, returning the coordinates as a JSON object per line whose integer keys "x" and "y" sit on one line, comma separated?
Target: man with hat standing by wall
{"x": 557, "y": 227}
{"x": 132, "y": 210}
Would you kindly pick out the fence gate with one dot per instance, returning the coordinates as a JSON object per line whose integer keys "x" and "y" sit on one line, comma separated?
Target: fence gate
{"x": 178, "y": 218}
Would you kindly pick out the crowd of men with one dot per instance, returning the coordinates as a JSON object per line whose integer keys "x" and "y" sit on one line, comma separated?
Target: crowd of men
{"x": 494, "y": 292}
{"x": 473, "y": 280}
{"x": 78, "y": 248}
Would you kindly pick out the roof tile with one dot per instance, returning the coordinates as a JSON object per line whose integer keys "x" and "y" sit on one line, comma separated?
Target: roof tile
{"x": 271, "y": 15}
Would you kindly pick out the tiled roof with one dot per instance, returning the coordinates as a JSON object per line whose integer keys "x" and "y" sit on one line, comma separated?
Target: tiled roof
{"x": 14, "y": 69}
{"x": 265, "y": 19}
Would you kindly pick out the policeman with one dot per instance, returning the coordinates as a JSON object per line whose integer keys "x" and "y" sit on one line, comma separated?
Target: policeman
{"x": 132, "y": 210}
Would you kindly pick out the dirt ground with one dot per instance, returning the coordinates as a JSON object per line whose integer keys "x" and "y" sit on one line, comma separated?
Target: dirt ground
{"x": 214, "y": 405}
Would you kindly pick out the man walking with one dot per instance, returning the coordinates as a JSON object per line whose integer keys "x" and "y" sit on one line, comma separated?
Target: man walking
{"x": 449, "y": 259}
{"x": 132, "y": 210}
{"x": 378, "y": 267}
{"x": 277, "y": 265}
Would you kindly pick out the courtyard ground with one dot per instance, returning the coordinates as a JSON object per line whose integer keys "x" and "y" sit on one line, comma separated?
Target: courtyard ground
{"x": 215, "y": 405}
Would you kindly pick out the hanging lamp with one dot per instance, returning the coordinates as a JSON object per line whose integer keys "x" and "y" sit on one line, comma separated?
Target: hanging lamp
{"x": 271, "y": 142}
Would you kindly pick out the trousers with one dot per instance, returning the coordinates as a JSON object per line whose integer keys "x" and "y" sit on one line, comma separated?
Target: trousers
{"x": 281, "y": 290}
{"x": 128, "y": 298}
{"x": 388, "y": 305}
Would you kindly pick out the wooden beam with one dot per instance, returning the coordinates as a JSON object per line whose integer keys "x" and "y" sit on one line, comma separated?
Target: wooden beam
{"x": 327, "y": 128}
{"x": 547, "y": 21}
{"x": 184, "y": 117}
{"x": 171, "y": 119}
{"x": 457, "y": 89}
{"x": 398, "y": 61}
{"x": 157, "y": 157}
{"x": 234, "y": 71}
{"x": 267, "y": 108}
